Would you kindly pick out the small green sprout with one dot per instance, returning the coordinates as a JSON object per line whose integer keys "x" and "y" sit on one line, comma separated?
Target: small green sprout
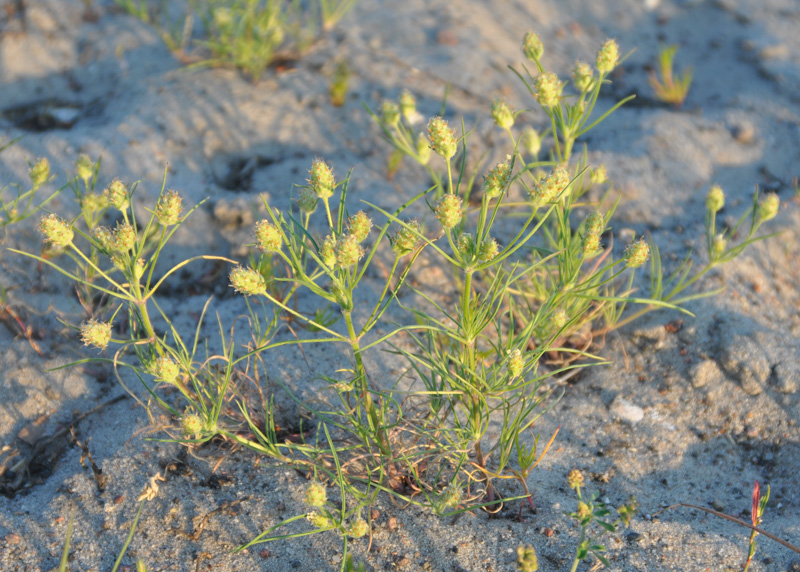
{"x": 756, "y": 516}
{"x": 591, "y": 511}
{"x": 339, "y": 84}
{"x": 526, "y": 559}
{"x": 667, "y": 86}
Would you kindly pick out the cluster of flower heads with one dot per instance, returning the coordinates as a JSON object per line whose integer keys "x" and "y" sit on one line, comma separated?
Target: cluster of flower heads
{"x": 547, "y": 86}
{"x": 316, "y": 497}
{"x": 469, "y": 249}
{"x": 551, "y": 187}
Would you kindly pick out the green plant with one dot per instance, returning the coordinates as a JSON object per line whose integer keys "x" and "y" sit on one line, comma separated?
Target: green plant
{"x": 668, "y": 87}
{"x": 149, "y": 493}
{"x": 245, "y": 34}
{"x": 21, "y": 206}
{"x": 756, "y": 515}
{"x": 592, "y": 511}
{"x": 526, "y": 559}
{"x": 757, "y": 509}
{"x": 338, "y": 87}
{"x": 475, "y": 359}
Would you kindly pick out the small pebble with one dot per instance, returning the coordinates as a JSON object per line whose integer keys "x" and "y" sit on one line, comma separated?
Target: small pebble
{"x": 624, "y": 410}
{"x": 717, "y": 505}
{"x": 634, "y": 537}
{"x": 745, "y": 361}
{"x": 743, "y": 132}
{"x": 706, "y": 372}
{"x": 787, "y": 377}
{"x": 391, "y": 524}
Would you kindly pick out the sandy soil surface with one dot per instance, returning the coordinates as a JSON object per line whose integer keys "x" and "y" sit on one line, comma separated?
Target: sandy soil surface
{"x": 690, "y": 412}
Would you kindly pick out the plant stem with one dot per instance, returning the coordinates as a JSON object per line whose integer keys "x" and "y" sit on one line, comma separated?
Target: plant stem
{"x": 366, "y": 397}
{"x": 580, "y": 543}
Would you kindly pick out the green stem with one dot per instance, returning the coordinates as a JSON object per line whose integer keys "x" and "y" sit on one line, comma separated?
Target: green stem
{"x": 366, "y": 397}
{"x": 328, "y": 212}
{"x": 580, "y": 543}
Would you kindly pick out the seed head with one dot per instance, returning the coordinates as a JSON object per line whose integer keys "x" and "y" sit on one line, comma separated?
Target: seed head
{"x": 599, "y": 175}
{"x": 548, "y": 189}
{"x": 451, "y": 496}
{"x": 583, "y": 77}
{"x": 449, "y": 211}
{"x": 164, "y": 369}
{"x": 92, "y": 202}
{"x": 316, "y": 495}
{"x": 56, "y": 230}
{"x": 608, "y": 57}
{"x": 548, "y": 89}
{"x": 104, "y": 236}
{"x": 307, "y": 200}
{"x": 715, "y": 199}
{"x": 593, "y": 228}
{"x": 532, "y": 46}
{"x": 637, "y": 253}
{"x": 489, "y": 250}
{"x": 423, "y": 149}
{"x": 502, "y": 114}
{"x": 408, "y": 106}
{"x": 117, "y": 195}
{"x": 595, "y": 223}
{"x": 191, "y": 424}
{"x": 268, "y": 236}
{"x": 168, "y": 209}
{"x": 718, "y": 246}
{"x": 443, "y": 139}
{"x": 515, "y": 363}
{"x": 768, "y": 207}
{"x": 526, "y": 559}
{"x": 248, "y": 281}
{"x": 328, "y": 251}
{"x": 321, "y": 181}
{"x": 124, "y": 238}
{"x": 138, "y": 269}
{"x": 39, "y": 172}
{"x": 358, "y": 528}
{"x": 496, "y": 181}
{"x": 531, "y": 141}
{"x": 390, "y": 113}
{"x": 591, "y": 246}
{"x": 85, "y": 168}
{"x": 405, "y": 239}
{"x": 348, "y": 251}
{"x": 466, "y": 245}
{"x": 120, "y": 261}
{"x": 359, "y": 226}
{"x": 575, "y": 479}
{"x": 97, "y": 334}
{"x": 559, "y": 318}
{"x": 319, "y": 520}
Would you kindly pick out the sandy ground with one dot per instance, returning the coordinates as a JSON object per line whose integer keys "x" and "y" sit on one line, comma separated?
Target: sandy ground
{"x": 692, "y": 413}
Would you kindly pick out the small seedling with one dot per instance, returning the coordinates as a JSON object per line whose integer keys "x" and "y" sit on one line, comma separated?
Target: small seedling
{"x": 756, "y": 515}
{"x": 339, "y": 81}
{"x": 757, "y": 509}
{"x": 593, "y": 511}
{"x": 668, "y": 87}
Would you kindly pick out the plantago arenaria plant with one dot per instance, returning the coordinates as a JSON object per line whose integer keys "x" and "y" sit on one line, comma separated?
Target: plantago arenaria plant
{"x": 669, "y": 87}
{"x": 520, "y": 290}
